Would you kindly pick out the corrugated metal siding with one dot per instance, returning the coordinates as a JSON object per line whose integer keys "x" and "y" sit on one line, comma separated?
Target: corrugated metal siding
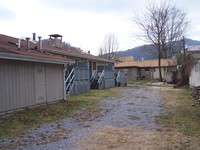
{"x": 81, "y": 82}
{"x": 108, "y": 80}
{"x": 5, "y": 85}
{"x": 25, "y": 84}
{"x": 109, "y": 83}
{"x": 16, "y": 85}
{"x": 54, "y": 82}
{"x": 122, "y": 78}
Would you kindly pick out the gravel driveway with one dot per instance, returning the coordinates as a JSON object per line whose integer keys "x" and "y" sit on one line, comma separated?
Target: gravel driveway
{"x": 135, "y": 107}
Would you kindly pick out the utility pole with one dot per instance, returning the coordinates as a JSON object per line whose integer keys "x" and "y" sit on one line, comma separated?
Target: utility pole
{"x": 184, "y": 46}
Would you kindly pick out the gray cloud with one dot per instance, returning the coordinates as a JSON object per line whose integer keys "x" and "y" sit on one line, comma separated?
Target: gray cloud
{"x": 91, "y": 5}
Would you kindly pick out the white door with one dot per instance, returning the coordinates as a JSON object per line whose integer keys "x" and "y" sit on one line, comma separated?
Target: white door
{"x": 40, "y": 83}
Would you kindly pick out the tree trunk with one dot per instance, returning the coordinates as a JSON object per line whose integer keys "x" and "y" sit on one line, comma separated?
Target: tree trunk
{"x": 159, "y": 66}
{"x": 159, "y": 63}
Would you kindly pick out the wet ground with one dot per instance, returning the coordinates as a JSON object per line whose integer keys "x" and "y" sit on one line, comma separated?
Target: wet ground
{"x": 131, "y": 107}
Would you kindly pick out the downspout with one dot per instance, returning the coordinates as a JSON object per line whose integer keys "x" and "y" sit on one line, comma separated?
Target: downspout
{"x": 64, "y": 84}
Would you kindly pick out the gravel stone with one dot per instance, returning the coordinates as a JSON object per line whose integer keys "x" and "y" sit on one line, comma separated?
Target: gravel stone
{"x": 130, "y": 107}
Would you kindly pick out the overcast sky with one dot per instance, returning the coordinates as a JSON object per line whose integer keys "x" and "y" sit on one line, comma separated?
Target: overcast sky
{"x": 84, "y": 23}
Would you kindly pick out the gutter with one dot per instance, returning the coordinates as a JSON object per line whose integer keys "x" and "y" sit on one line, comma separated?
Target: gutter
{"x": 75, "y": 55}
{"x": 31, "y": 58}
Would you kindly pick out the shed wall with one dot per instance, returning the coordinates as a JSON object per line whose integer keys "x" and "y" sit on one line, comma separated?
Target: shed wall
{"x": 54, "y": 82}
{"x": 16, "y": 85}
{"x": 21, "y": 82}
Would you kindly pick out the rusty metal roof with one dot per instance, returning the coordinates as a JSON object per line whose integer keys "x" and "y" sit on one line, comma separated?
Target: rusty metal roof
{"x": 9, "y": 45}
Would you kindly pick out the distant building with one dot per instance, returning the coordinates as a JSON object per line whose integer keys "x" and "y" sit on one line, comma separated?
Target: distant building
{"x": 147, "y": 69}
{"x": 125, "y": 58}
{"x": 195, "y": 51}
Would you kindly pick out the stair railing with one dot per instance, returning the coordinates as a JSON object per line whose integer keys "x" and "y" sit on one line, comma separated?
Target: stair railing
{"x": 118, "y": 77}
{"x": 93, "y": 77}
{"x": 69, "y": 82}
{"x": 101, "y": 77}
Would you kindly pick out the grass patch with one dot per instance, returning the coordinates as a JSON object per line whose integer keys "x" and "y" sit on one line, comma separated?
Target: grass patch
{"x": 28, "y": 118}
{"x": 183, "y": 111}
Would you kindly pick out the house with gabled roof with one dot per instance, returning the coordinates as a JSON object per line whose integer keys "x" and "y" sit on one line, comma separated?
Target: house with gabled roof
{"x": 194, "y": 50}
{"x": 147, "y": 69}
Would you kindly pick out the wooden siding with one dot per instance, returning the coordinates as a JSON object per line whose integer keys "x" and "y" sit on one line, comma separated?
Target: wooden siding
{"x": 25, "y": 84}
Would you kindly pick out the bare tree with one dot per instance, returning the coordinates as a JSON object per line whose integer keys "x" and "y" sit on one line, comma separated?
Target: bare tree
{"x": 109, "y": 45}
{"x": 162, "y": 25}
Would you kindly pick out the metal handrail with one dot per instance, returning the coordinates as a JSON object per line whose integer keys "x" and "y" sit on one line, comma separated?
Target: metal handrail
{"x": 70, "y": 82}
{"x": 118, "y": 76}
{"x": 93, "y": 77}
{"x": 101, "y": 76}
{"x": 69, "y": 75}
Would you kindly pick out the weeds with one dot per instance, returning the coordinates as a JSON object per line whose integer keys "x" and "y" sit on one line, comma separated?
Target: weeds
{"x": 183, "y": 111}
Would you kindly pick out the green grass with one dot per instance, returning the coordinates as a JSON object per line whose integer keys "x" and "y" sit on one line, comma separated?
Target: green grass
{"x": 183, "y": 112}
{"x": 21, "y": 121}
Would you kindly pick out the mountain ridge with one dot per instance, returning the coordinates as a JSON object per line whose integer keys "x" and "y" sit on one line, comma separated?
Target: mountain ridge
{"x": 141, "y": 52}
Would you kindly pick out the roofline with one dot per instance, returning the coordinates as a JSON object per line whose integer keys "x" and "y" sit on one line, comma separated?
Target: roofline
{"x": 142, "y": 67}
{"x": 76, "y": 55}
{"x": 31, "y": 58}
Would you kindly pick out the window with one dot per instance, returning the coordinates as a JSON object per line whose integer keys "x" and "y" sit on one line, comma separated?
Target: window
{"x": 94, "y": 64}
{"x": 146, "y": 69}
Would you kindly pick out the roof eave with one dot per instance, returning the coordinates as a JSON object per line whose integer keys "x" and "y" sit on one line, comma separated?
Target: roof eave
{"x": 76, "y": 55}
{"x": 31, "y": 58}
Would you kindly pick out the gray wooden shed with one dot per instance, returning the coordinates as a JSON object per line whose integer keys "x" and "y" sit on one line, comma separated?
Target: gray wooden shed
{"x": 28, "y": 77}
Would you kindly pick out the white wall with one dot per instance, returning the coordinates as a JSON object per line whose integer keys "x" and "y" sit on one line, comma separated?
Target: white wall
{"x": 194, "y": 79}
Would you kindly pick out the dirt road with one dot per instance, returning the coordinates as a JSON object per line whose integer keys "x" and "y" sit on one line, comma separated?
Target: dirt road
{"x": 126, "y": 121}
